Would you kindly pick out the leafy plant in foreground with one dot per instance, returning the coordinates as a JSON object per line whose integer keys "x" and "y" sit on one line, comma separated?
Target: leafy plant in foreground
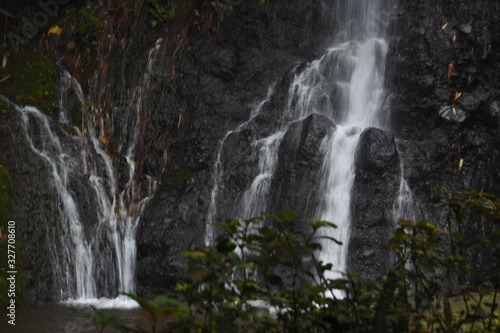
{"x": 263, "y": 274}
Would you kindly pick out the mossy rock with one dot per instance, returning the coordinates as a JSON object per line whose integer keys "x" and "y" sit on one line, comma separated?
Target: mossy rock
{"x": 29, "y": 79}
{"x": 174, "y": 178}
{"x": 3, "y": 110}
{"x": 6, "y": 191}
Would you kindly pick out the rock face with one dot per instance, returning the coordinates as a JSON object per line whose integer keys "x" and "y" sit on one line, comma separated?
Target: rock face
{"x": 443, "y": 77}
{"x": 443, "y": 72}
{"x": 376, "y": 187}
{"x": 421, "y": 82}
{"x": 257, "y": 48}
{"x": 296, "y": 183}
{"x": 28, "y": 176}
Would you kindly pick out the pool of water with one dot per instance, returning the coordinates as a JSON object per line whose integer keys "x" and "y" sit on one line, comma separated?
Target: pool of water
{"x": 61, "y": 318}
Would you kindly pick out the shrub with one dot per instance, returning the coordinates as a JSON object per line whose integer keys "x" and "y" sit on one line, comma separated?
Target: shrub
{"x": 264, "y": 275}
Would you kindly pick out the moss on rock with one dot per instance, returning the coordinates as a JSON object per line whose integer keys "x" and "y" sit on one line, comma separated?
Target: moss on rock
{"x": 6, "y": 192}
{"x": 28, "y": 78}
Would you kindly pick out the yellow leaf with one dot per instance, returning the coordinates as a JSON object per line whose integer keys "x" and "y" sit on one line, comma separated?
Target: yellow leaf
{"x": 55, "y": 30}
{"x": 457, "y": 95}
{"x": 444, "y": 25}
{"x": 103, "y": 139}
{"x": 460, "y": 164}
{"x": 453, "y": 110}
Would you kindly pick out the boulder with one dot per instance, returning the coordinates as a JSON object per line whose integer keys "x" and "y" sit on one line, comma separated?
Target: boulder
{"x": 374, "y": 192}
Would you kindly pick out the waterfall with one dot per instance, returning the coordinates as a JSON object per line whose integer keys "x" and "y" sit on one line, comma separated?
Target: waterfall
{"x": 219, "y": 170}
{"x": 404, "y": 206}
{"x": 346, "y": 84}
{"x": 362, "y": 98}
{"x": 77, "y": 250}
{"x": 76, "y": 261}
{"x": 254, "y": 198}
{"x": 94, "y": 253}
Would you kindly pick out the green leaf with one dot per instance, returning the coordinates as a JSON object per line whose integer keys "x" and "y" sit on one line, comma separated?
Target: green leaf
{"x": 105, "y": 318}
{"x": 406, "y": 223}
{"x": 199, "y": 273}
{"x": 224, "y": 245}
{"x": 426, "y": 225}
{"x": 265, "y": 231}
{"x": 160, "y": 307}
{"x": 316, "y": 224}
{"x": 385, "y": 302}
{"x": 195, "y": 254}
{"x": 448, "y": 316}
{"x": 458, "y": 236}
{"x": 245, "y": 265}
{"x": 286, "y": 216}
{"x": 275, "y": 280}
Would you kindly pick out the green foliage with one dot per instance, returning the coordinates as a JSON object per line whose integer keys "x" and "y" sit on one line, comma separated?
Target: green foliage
{"x": 28, "y": 78}
{"x": 175, "y": 176}
{"x": 431, "y": 275}
{"x": 263, "y": 275}
{"x": 199, "y": 13}
{"x": 230, "y": 281}
{"x": 160, "y": 13}
{"x": 3, "y": 108}
{"x": 86, "y": 24}
{"x": 87, "y": 34}
{"x": 6, "y": 192}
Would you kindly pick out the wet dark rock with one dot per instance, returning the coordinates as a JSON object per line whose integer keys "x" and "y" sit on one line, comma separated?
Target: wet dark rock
{"x": 212, "y": 85}
{"x": 469, "y": 102}
{"x": 376, "y": 150}
{"x": 461, "y": 57}
{"x": 466, "y": 28}
{"x": 494, "y": 109}
{"x": 296, "y": 181}
{"x": 375, "y": 190}
{"x": 453, "y": 113}
{"x": 220, "y": 81}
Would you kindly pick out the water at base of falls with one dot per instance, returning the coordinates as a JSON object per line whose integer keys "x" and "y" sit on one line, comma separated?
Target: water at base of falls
{"x": 57, "y": 318}
{"x": 121, "y": 302}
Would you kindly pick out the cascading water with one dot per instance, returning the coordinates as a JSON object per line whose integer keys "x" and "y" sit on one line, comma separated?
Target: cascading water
{"x": 77, "y": 250}
{"x": 218, "y": 169}
{"x": 363, "y": 96}
{"x": 347, "y": 85}
{"x": 404, "y": 206}
{"x": 254, "y": 198}
{"x": 95, "y": 252}
{"x": 76, "y": 262}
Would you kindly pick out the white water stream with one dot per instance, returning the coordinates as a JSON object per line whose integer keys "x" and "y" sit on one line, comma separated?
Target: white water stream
{"x": 81, "y": 266}
{"x": 219, "y": 170}
{"x": 363, "y": 95}
{"x": 347, "y": 85}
